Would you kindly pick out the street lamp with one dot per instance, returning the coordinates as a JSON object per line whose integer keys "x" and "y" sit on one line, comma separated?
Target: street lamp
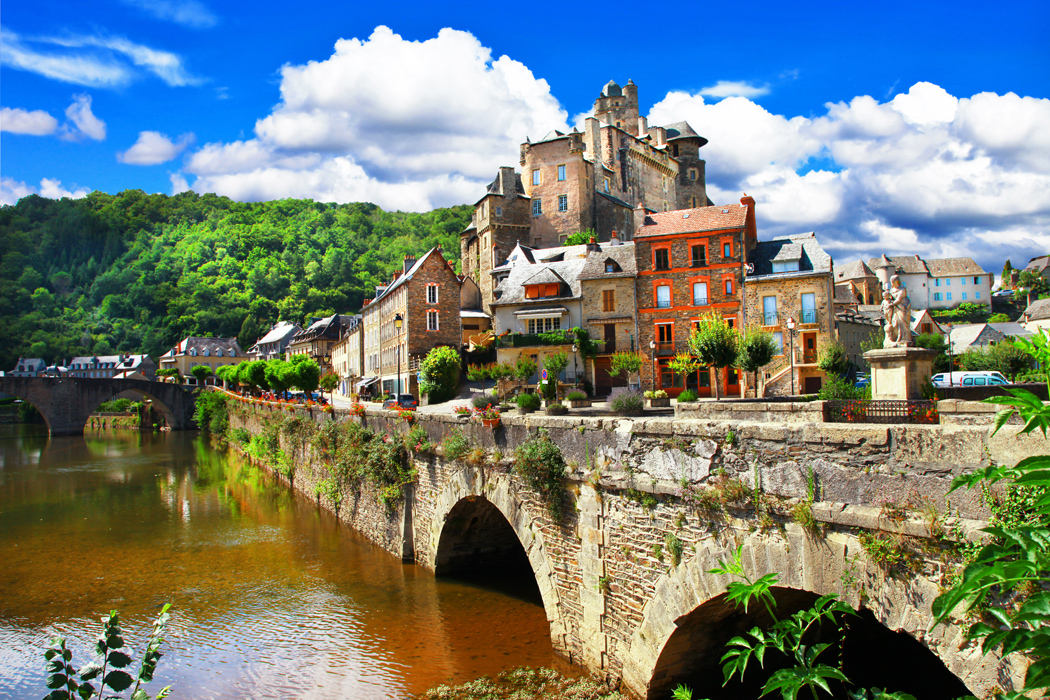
{"x": 575, "y": 374}
{"x": 791, "y": 350}
{"x": 652, "y": 350}
{"x": 397, "y": 324}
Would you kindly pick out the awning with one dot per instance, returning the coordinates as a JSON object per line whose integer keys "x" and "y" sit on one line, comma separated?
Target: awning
{"x": 366, "y": 381}
{"x": 542, "y": 313}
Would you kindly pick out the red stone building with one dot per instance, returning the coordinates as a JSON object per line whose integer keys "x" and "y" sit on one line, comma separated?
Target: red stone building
{"x": 691, "y": 263}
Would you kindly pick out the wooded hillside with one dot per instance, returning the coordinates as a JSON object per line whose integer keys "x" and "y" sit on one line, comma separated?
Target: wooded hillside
{"x": 136, "y": 272}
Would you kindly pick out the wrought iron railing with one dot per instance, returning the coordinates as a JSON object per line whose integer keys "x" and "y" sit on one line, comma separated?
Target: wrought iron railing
{"x": 884, "y": 411}
{"x": 770, "y": 318}
{"x": 665, "y": 349}
{"x": 699, "y": 301}
{"x": 663, "y": 303}
{"x": 809, "y": 315}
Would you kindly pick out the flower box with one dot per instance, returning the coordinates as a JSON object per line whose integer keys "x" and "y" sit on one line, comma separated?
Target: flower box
{"x": 658, "y": 403}
{"x": 525, "y": 411}
{"x": 579, "y": 403}
{"x": 490, "y": 422}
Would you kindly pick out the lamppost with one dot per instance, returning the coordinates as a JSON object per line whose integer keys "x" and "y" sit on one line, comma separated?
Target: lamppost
{"x": 791, "y": 350}
{"x": 575, "y": 374}
{"x": 652, "y": 350}
{"x": 397, "y": 324}
{"x": 951, "y": 364}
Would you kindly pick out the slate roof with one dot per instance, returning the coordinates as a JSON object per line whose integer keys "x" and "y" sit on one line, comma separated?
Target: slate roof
{"x": 853, "y": 270}
{"x": 1038, "y": 310}
{"x": 30, "y": 364}
{"x": 110, "y": 361}
{"x": 967, "y": 335}
{"x": 546, "y": 276}
{"x": 802, "y": 246}
{"x": 403, "y": 279}
{"x": 279, "y": 332}
{"x": 910, "y": 264}
{"x": 622, "y": 255}
{"x": 717, "y": 218}
{"x": 229, "y": 347}
{"x": 1012, "y": 329}
{"x": 843, "y": 295}
{"x": 1038, "y": 264}
{"x": 328, "y": 327}
{"x": 567, "y": 268}
{"x": 682, "y": 130}
{"x": 946, "y": 267}
{"x": 496, "y": 186}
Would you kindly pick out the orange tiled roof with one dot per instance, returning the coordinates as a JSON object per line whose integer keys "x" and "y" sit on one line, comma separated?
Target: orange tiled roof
{"x": 728, "y": 216}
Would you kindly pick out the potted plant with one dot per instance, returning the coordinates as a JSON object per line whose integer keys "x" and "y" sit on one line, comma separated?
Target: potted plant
{"x": 462, "y": 412}
{"x": 406, "y": 414}
{"x": 527, "y": 403}
{"x": 489, "y": 417}
{"x": 577, "y": 399}
{"x": 657, "y": 399}
{"x": 357, "y": 409}
{"x": 626, "y": 402}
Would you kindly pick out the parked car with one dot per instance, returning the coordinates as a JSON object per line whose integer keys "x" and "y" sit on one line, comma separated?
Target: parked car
{"x": 862, "y": 381}
{"x": 947, "y": 379}
{"x": 404, "y": 401}
{"x": 1003, "y": 293}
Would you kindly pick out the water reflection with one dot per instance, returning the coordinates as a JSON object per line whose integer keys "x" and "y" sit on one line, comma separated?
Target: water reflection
{"x": 272, "y": 597}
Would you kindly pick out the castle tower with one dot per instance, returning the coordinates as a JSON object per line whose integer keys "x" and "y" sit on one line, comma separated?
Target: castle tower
{"x": 618, "y": 107}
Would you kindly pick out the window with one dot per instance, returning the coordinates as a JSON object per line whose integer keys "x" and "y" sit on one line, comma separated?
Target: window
{"x": 544, "y": 325}
{"x": 947, "y": 283}
{"x": 663, "y": 296}
{"x": 964, "y": 296}
{"x": 936, "y": 296}
{"x": 563, "y": 202}
{"x": 674, "y": 149}
{"x": 729, "y": 287}
{"x": 937, "y": 282}
{"x": 769, "y": 311}
{"x": 809, "y": 308}
{"x": 976, "y": 295}
{"x": 608, "y": 300}
{"x": 699, "y": 293}
{"x": 662, "y": 259}
{"x": 432, "y": 294}
{"x": 612, "y": 266}
{"x": 778, "y": 338}
{"x": 432, "y": 320}
{"x": 607, "y": 185}
{"x": 962, "y": 281}
{"x": 665, "y": 332}
{"x": 537, "y": 207}
{"x": 785, "y": 266}
{"x": 692, "y": 174}
{"x": 727, "y": 250}
{"x": 561, "y": 173}
{"x": 499, "y": 211}
{"x": 977, "y": 280}
{"x": 536, "y": 176}
{"x": 948, "y": 296}
{"x": 698, "y": 256}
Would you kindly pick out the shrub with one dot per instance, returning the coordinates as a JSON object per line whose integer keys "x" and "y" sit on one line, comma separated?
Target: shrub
{"x": 557, "y": 409}
{"x": 576, "y": 395}
{"x": 687, "y": 396}
{"x": 455, "y": 445}
{"x": 439, "y": 374}
{"x": 837, "y": 388}
{"x": 659, "y": 394}
{"x": 540, "y": 463}
{"x": 528, "y": 401}
{"x": 625, "y": 401}
{"x": 211, "y": 414}
{"x": 483, "y": 401}
{"x": 417, "y": 440}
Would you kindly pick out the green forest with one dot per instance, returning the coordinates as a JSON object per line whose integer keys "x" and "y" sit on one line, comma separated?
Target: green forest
{"x": 136, "y": 272}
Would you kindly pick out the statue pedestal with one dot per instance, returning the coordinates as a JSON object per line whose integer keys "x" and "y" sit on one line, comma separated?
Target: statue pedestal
{"x": 899, "y": 373}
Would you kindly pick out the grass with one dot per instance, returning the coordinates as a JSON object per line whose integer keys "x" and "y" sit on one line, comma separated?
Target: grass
{"x": 524, "y": 684}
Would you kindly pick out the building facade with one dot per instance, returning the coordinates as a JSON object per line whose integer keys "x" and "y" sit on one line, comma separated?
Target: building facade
{"x": 318, "y": 338}
{"x": 28, "y": 367}
{"x": 608, "y": 314}
{"x": 273, "y": 345}
{"x": 112, "y": 366}
{"x": 935, "y": 284}
{"x": 347, "y": 357}
{"x": 209, "y": 352}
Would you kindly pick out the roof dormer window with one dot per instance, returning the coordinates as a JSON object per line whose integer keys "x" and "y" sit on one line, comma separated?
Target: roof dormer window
{"x": 193, "y": 352}
{"x": 612, "y": 266}
{"x": 785, "y": 266}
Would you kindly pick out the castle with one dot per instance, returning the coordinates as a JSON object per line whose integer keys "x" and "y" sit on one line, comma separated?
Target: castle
{"x": 594, "y": 179}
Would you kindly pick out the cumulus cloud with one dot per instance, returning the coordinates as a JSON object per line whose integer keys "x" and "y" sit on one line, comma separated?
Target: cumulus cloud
{"x": 12, "y": 190}
{"x": 153, "y": 147}
{"x": 21, "y": 121}
{"x": 924, "y": 172}
{"x": 405, "y": 124}
{"x": 188, "y": 13}
{"x": 82, "y": 122}
{"x": 92, "y": 60}
{"x": 734, "y": 88}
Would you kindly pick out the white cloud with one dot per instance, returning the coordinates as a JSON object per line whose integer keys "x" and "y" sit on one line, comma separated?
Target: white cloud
{"x": 188, "y": 13}
{"x": 153, "y": 147}
{"x": 405, "y": 124}
{"x": 21, "y": 121}
{"x": 735, "y": 88}
{"x": 82, "y": 122}
{"x": 178, "y": 184}
{"x": 12, "y": 190}
{"x": 91, "y": 60}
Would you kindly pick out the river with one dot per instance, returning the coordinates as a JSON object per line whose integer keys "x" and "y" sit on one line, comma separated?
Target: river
{"x": 271, "y": 596}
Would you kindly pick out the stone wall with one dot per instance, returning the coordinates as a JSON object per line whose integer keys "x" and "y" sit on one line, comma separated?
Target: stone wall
{"x": 612, "y": 590}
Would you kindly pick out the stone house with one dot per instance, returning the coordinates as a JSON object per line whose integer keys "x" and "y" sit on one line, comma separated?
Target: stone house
{"x": 1037, "y": 266}
{"x": 474, "y": 321}
{"x": 425, "y": 298}
{"x": 274, "y": 343}
{"x": 942, "y": 283}
{"x": 854, "y": 330}
{"x": 607, "y": 288}
{"x": 28, "y": 367}
{"x": 790, "y": 292}
{"x": 690, "y": 263}
{"x": 317, "y": 339}
{"x": 1036, "y": 315}
{"x": 114, "y": 365}
{"x": 974, "y": 335}
{"x": 193, "y": 351}
{"x": 859, "y": 282}
{"x": 347, "y": 356}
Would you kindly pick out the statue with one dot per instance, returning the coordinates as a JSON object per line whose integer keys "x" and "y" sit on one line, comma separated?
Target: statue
{"x": 896, "y": 310}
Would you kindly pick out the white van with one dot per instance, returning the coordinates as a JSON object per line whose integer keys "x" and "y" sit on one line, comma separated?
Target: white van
{"x": 946, "y": 379}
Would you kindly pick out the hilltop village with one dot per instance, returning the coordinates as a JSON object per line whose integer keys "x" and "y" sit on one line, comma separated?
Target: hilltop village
{"x": 609, "y": 235}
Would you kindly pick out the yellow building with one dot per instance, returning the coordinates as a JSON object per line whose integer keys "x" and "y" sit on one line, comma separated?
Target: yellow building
{"x": 209, "y": 352}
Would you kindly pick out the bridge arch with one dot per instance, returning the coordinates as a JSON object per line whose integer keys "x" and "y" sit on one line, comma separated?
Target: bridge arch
{"x": 671, "y": 642}
{"x": 478, "y": 514}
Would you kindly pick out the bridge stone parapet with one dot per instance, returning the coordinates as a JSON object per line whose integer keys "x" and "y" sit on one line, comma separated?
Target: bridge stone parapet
{"x": 619, "y": 600}
{"x": 66, "y": 403}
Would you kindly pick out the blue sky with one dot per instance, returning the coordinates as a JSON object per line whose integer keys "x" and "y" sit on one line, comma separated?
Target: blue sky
{"x": 890, "y": 127}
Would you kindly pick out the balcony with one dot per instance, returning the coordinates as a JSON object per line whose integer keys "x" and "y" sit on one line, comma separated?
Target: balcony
{"x": 699, "y": 301}
{"x": 525, "y": 340}
{"x": 809, "y": 316}
{"x": 663, "y": 303}
{"x": 771, "y": 319}
{"x": 665, "y": 350}
{"x": 698, "y": 262}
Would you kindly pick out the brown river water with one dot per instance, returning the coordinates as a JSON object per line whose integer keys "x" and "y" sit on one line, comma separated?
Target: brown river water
{"x": 271, "y": 596}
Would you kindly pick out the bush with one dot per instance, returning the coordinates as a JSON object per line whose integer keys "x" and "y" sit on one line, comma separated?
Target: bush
{"x": 528, "y": 401}
{"x": 540, "y": 463}
{"x": 687, "y": 396}
{"x": 625, "y": 401}
{"x": 836, "y": 389}
{"x": 455, "y": 445}
{"x": 439, "y": 374}
{"x": 211, "y": 414}
{"x": 658, "y": 394}
{"x": 482, "y": 401}
{"x": 557, "y": 409}
{"x": 576, "y": 395}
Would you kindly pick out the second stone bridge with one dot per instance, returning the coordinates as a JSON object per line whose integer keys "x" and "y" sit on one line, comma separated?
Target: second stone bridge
{"x": 652, "y": 506}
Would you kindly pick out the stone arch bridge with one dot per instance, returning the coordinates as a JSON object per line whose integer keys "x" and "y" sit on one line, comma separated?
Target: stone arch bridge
{"x": 67, "y": 402}
{"x": 625, "y": 576}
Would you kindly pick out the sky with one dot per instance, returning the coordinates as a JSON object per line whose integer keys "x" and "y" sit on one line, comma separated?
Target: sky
{"x": 887, "y": 127}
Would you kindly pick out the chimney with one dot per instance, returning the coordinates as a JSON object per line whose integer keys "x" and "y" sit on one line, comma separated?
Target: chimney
{"x": 397, "y": 276}
{"x": 750, "y": 225}
{"x": 409, "y": 262}
{"x": 641, "y": 220}
{"x": 643, "y": 126}
{"x": 506, "y": 181}
{"x": 592, "y": 245}
{"x": 614, "y": 239}
{"x": 659, "y": 135}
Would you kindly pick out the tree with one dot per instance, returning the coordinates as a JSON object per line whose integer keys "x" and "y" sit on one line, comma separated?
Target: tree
{"x": 171, "y": 372}
{"x": 439, "y": 374}
{"x": 1032, "y": 284}
{"x": 626, "y": 362}
{"x": 683, "y": 363}
{"x": 937, "y": 342}
{"x": 580, "y": 237}
{"x": 555, "y": 364}
{"x": 305, "y": 373}
{"x": 524, "y": 368}
{"x": 201, "y": 373}
{"x": 999, "y": 318}
{"x": 833, "y": 358}
{"x": 756, "y": 349}
{"x": 328, "y": 383}
{"x": 714, "y": 343}
{"x": 279, "y": 375}
{"x": 1004, "y": 280}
